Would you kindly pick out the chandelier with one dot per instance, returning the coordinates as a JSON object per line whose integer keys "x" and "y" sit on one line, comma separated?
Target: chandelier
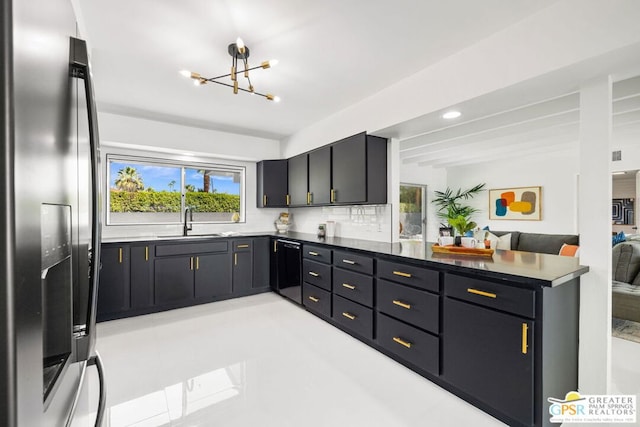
{"x": 238, "y": 52}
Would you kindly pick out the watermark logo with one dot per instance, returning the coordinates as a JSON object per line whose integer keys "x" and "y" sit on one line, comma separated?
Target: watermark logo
{"x": 577, "y": 408}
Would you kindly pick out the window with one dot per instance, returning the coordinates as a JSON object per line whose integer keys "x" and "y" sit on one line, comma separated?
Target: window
{"x": 144, "y": 191}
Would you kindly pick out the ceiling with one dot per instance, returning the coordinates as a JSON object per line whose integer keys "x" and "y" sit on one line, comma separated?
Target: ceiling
{"x": 332, "y": 54}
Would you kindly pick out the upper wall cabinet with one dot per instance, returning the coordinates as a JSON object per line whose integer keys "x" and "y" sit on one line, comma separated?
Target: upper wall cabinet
{"x": 272, "y": 184}
{"x": 359, "y": 170}
{"x": 348, "y": 172}
{"x": 299, "y": 180}
{"x": 320, "y": 176}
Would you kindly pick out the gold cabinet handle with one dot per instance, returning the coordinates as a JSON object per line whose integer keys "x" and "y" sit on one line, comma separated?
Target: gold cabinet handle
{"x": 146, "y": 253}
{"x": 191, "y": 263}
{"x": 242, "y": 246}
{"x": 348, "y": 261}
{"x": 313, "y": 253}
{"x": 120, "y": 255}
{"x": 235, "y": 259}
{"x": 308, "y": 198}
{"x": 314, "y": 299}
{"x": 481, "y": 293}
{"x": 313, "y": 273}
{"x": 264, "y": 200}
{"x": 275, "y": 246}
{"x": 348, "y": 315}
{"x": 197, "y": 263}
{"x": 402, "y": 342}
{"x": 402, "y": 304}
{"x": 401, "y": 274}
{"x": 333, "y": 195}
{"x": 525, "y": 330}
{"x": 288, "y": 200}
{"x": 348, "y": 286}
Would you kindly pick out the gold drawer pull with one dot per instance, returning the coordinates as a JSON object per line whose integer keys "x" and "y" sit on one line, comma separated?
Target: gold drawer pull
{"x": 348, "y": 261}
{"x": 314, "y": 274}
{"x": 525, "y": 346}
{"x": 348, "y": 286}
{"x": 313, "y": 253}
{"x": 120, "y": 255}
{"x": 349, "y": 315}
{"x": 288, "y": 200}
{"x": 402, "y": 304}
{"x": 481, "y": 293}
{"x": 146, "y": 253}
{"x": 314, "y": 299}
{"x": 242, "y": 246}
{"x": 264, "y": 200}
{"x": 400, "y": 273}
{"x": 402, "y": 342}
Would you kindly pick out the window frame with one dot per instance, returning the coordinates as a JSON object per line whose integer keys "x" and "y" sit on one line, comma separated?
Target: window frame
{"x": 182, "y": 165}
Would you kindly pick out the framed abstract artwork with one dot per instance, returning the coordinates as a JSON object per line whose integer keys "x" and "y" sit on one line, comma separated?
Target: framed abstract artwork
{"x": 622, "y": 212}
{"x": 522, "y": 203}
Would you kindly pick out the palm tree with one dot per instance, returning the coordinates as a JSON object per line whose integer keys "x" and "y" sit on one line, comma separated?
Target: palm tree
{"x": 171, "y": 185}
{"x": 190, "y": 188}
{"x": 129, "y": 180}
{"x": 206, "y": 185}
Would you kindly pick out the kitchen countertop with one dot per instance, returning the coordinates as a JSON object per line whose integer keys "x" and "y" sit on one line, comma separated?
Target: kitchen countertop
{"x": 514, "y": 266}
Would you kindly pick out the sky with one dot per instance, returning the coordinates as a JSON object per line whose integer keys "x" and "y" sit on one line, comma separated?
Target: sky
{"x": 159, "y": 177}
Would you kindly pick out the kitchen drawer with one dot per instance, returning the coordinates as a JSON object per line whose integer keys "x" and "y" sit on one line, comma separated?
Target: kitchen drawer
{"x": 191, "y": 248}
{"x": 317, "y": 274}
{"x": 316, "y": 299}
{"x": 408, "y": 343}
{"x": 241, "y": 245}
{"x": 490, "y": 294}
{"x": 354, "y": 286}
{"x": 353, "y": 316}
{"x": 410, "y": 305}
{"x": 412, "y": 275}
{"x": 317, "y": 253}
{"x": 352, "y": 261}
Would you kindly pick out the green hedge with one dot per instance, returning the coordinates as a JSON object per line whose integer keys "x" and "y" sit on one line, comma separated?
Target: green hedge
{"x": 165, "y": 201}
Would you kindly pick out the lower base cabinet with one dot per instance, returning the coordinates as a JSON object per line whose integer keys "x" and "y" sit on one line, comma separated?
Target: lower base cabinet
{"x": 353, "y": 316}
{"x": 317, "y": 300}
{"x": 212, "y": 276}
{"x": 408, "y": 343}
{"x": 174, "y": 280}
{"x": 490, "y": 355}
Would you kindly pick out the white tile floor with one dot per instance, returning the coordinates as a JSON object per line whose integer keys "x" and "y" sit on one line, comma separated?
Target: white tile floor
{"x": 261, "y": 361}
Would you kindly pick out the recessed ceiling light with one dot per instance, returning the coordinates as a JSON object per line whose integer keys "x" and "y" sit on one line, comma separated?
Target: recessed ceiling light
{"x": 451, "y": 114}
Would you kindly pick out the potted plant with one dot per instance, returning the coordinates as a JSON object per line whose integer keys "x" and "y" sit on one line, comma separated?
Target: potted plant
{"x": 452, "y": 210}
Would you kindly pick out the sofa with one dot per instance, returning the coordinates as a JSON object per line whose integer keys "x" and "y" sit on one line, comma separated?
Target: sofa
{"x": 626, "y": 280}
{"x": 535, "y": 242}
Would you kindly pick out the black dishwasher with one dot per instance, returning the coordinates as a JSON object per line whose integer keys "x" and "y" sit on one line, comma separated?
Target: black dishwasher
{"x": 289, "y": 260}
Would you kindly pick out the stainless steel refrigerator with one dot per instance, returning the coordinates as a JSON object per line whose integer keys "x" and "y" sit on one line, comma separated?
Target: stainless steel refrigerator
{"x": 49, "y": 215}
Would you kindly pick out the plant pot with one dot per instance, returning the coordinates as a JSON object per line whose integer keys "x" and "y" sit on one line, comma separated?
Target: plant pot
{"x": 457, "y": 241}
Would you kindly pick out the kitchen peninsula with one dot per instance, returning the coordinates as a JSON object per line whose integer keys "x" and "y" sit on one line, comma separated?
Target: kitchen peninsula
{"x": 500, "y": 332}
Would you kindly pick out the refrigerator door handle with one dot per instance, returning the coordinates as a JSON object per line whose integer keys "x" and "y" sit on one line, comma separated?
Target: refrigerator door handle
{"x": 81, "y": 69}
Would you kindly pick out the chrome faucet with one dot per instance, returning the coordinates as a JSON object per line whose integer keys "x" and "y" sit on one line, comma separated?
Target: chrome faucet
{"x": 188, "y": 226}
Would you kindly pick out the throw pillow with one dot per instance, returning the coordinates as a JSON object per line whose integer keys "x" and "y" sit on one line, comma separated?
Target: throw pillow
{"x": 618, "y": 238}
{"x": 570, "y": 250}
{"x": 504, "y": 242}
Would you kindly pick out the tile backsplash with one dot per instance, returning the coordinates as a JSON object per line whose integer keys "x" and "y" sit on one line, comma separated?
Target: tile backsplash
{"x": 370, "y": 222}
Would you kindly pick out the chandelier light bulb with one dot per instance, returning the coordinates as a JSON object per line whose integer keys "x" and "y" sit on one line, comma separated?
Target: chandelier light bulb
{"x": 276, "y": 99}
{"x": 185, "y": 73}
{"x": 269, "y": 64}
{"x": 240, "y": 45}
{"x": 197, "y": 82}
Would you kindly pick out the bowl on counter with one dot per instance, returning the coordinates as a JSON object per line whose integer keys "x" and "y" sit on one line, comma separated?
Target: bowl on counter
{"x": 281, "y": 227}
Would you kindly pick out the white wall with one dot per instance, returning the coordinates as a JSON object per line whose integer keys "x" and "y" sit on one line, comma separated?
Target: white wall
{"x": 151, "y": 139}
{"x": 559, "y": 36}
{"x": 137, "y": 133}
{"x": 555, "y": 173}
